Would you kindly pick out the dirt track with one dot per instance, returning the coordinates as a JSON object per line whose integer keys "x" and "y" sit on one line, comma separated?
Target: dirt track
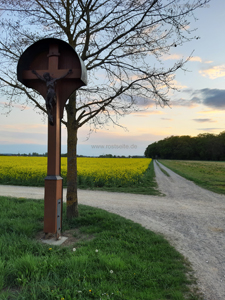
{"x": 191, "y": 218}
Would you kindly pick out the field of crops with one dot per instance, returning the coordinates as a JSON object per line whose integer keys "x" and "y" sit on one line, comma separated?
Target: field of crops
{"x": 92, "y": 172}
{"x": 208, "y": 174}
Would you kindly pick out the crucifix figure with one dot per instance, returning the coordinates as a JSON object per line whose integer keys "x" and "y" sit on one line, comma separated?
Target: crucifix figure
{"x": 50, "y": 98}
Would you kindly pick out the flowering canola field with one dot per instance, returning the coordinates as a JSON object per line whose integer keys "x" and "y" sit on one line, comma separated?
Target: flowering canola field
{"x": 93, "y": 172}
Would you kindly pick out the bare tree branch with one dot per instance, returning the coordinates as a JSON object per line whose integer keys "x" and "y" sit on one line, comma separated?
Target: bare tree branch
{"x": 122, "y": 44}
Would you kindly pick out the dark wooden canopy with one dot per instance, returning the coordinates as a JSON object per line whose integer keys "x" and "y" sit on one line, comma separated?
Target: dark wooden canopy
{"x": 37, "y": 57}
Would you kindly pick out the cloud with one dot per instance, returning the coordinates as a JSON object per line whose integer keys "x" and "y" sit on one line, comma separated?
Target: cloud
{"x": 211, "y": 111}
{"x": 179, "y": 57}
{"x": 147, "y": 113}
{"x": 213, "y": 72}
{"x": 203, "y": 120}
{"x": 196, "y": 58}
{"x": 195, "y": 101}
{"x": 214, "y": 98}
{"x": 146, "y": 102}
{"x": 178, "y": 85}
{"x": 172, "y": 57}
{"x": 185, "y": 27}
{"x": 209, "y": 129}
{"x": 166, "y": 119}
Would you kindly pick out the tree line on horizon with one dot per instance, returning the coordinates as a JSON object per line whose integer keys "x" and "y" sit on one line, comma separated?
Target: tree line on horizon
{"x": 205, "y": 146}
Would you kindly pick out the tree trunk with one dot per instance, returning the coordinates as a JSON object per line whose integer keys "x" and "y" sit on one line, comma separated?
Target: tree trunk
{"x": 72, "y": 201}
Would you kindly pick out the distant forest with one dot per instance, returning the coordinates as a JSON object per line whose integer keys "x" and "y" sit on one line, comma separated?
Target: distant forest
{"x": 205, "y": 146}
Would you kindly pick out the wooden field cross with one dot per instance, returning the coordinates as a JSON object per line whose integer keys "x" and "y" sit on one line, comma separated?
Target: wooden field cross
{"x": 53, "y": 68}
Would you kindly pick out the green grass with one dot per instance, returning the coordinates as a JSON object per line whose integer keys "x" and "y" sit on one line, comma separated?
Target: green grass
{"x": 163, "y": 170}
{"x": 146, "y": 186}
{"x": 115, "y": 259}
{"x": 207, "y": 174}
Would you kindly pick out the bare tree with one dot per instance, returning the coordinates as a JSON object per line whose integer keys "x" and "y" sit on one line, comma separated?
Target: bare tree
{"x": 121, "y": 43}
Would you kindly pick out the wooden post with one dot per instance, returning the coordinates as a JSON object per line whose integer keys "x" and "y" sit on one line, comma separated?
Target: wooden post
{"x": 54, "y": 181}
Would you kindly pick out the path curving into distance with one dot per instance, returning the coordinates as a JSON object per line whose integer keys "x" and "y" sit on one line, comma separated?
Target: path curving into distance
{"x": 191, "y": 218}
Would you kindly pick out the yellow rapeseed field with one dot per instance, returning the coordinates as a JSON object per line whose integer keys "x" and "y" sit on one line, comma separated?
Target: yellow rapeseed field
{"x": 91, "y": 171}
{"x": 112, "y": 171}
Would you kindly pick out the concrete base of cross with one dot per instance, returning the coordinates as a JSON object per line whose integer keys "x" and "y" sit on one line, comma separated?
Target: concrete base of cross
{"x": 55, "y": 242}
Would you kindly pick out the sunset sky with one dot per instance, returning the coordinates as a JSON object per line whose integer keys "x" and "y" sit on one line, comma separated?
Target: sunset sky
{"x": 198, "y": 107}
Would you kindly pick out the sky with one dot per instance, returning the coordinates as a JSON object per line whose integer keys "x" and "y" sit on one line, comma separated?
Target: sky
{"x": 198, "y": 107}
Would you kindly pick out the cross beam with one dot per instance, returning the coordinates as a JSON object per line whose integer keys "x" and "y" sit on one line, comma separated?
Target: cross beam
{"x": 28, "y": 75}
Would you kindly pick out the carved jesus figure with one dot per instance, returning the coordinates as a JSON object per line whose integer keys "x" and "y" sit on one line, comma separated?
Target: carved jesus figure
{"x": 50, "y": 98}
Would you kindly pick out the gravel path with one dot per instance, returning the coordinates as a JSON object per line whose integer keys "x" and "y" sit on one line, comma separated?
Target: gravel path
{"x": 191, "y": 218}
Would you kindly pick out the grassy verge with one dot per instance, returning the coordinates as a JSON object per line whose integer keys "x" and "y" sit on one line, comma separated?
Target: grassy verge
{"x": 207, "y": 174}
{"x": 147, "y": 185}
{"x": 115, "y": 258}
{"x": 163, "y": 170}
